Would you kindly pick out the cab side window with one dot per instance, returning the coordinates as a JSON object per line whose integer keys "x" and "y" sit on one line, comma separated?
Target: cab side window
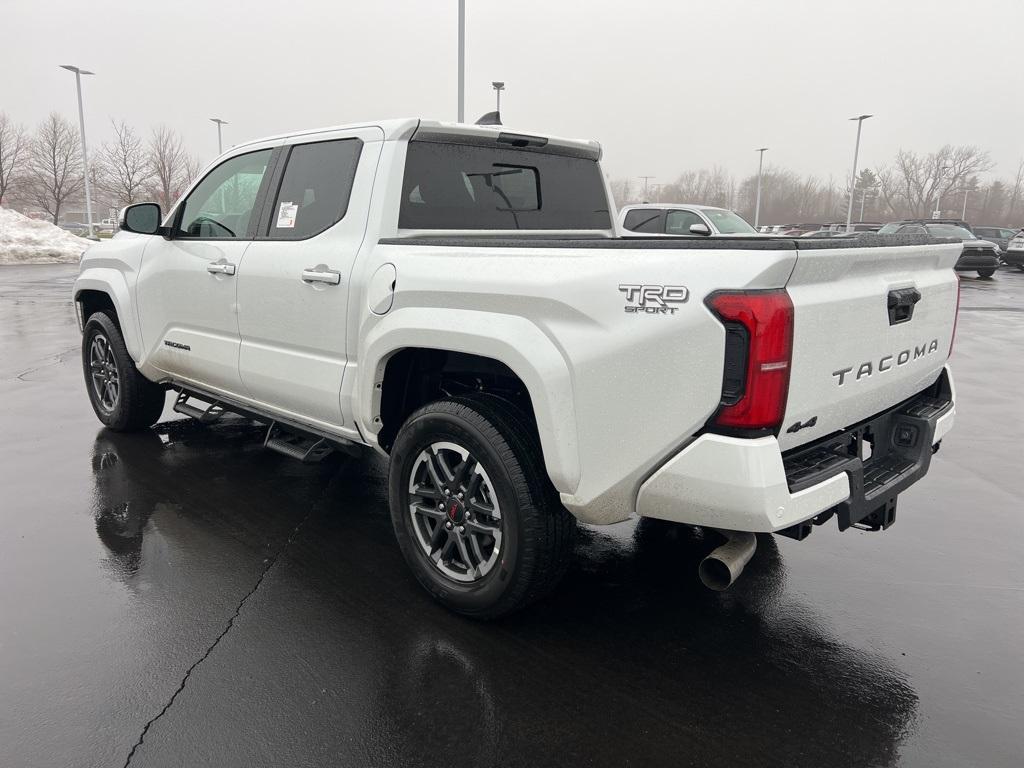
{"x": 221, "y": 205}
{"x": 315, "y": 188}
{"x": 646, "y": 220}
{"x": 679, "y": 222}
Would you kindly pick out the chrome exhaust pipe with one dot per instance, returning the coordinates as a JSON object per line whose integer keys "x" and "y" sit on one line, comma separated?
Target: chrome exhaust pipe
{"x": 724, "y": 565}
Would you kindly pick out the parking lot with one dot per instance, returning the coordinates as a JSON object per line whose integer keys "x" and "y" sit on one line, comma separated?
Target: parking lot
{"x": 183, "y": 597}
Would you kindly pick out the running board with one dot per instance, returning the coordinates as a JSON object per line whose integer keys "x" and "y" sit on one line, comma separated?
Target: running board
{"x": 291, "y": 438}
{"x": 306, "y": 448}
{"x": 209, "y": 415}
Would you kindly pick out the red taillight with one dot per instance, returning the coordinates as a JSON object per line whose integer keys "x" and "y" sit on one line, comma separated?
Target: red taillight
{"x": 767, "y": 319}
{"x": 955, "y": 317}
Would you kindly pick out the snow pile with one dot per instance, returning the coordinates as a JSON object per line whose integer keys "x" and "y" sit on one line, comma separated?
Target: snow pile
{"x": 30, "y": 241}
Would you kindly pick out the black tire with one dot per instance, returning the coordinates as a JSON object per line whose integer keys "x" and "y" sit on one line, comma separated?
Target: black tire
{"x": 537, "y": 531}
{"x": 986, "y": 272}
{"x": 138, "y": 402}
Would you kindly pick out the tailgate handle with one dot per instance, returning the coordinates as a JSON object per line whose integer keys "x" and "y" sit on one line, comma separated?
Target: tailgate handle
{"x": 901, "y": 304}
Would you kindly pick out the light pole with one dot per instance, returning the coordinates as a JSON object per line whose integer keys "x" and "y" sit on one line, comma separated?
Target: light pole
{"x": 853, "y": 181}
{"x": 462, "y": 61}
{"x": 963, "y": 216}
{"x": 760, "y": 167}
{"x": 219, "y": 122}
{"x": 81, "y": 129}
{"x": 498, "y": 88}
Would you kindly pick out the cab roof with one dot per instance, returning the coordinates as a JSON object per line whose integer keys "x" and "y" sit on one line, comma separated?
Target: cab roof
{"x": 406, "y": 128}
{"x": 673, "y": 206}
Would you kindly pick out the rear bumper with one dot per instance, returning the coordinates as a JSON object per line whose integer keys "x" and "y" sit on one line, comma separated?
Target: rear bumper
{"x": 749, "y": 485}
{"x": 1014, "y": 258}
{"x": 977, "y": 261}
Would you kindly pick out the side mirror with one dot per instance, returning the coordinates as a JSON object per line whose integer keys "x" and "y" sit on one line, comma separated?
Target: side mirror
{"x": 700, "y": 229}
{"x": 141, "y": 218}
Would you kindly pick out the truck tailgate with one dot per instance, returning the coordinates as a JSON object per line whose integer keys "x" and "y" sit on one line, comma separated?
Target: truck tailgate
{"x": 855, "y": 350}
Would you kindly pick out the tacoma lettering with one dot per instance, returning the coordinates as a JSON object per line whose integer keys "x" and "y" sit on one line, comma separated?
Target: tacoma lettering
{"x": 869, "y": 368}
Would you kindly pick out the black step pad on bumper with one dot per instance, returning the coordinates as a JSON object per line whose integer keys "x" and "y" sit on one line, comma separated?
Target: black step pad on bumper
{"x": 882, "y": 455}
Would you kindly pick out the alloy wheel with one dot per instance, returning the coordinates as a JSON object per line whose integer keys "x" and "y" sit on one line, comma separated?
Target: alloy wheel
{"x": 106, "y": 384}
{"x": 454, "y": 512}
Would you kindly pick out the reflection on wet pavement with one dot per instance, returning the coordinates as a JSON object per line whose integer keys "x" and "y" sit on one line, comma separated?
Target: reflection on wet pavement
{"x": 238, "y": 608}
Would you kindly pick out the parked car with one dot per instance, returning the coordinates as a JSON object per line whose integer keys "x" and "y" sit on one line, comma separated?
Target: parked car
{"x": 856, "y": 226}
{"x": 796, "y": 230}
{"x": 1014, "y": 254}
{"x": 453, "y": 297}
{"x": 674, "y": 219}
{"x": 1001, "y": 236}
{"x": 75, "y": 228}
{"x": 822, "y": 233}
{"x": 978, "y": 255}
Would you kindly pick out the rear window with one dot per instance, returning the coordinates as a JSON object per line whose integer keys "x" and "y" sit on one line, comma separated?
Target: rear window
{"x": 645, "y": 220}
{"x": 455, "y": 186}
{"x": 315, "y": 188}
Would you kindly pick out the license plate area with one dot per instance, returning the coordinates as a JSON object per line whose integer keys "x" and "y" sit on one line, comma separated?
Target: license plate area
{"x": 882, "y": 456}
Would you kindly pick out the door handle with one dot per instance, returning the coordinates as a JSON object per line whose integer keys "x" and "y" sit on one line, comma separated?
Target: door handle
{"x": 220, "y": 268}
{"x": 321, "y": 274}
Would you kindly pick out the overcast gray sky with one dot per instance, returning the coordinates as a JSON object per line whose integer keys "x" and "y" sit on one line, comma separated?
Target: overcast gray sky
{"x": 664, "y": 85}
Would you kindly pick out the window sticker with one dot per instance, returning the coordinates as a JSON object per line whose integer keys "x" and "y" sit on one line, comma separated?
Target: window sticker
{"x": 286, "y": 215}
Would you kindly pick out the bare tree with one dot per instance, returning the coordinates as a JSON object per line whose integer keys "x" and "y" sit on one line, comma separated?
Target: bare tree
{"x": 1015, "y": 196}
{"x": 908, "y": 187}
{"x": 167, "y": 160}
{"x": 13, "y": 146}
{"x": 190, "y": 172}
{"x": 54, "y": 167}
{"x": 123, "y": 167}
{"x": 622, "y": 191}
{"x": 916, "y": 182}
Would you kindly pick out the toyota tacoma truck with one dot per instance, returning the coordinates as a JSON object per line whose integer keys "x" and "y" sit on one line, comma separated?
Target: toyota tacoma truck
{"x": 455, "y": 297}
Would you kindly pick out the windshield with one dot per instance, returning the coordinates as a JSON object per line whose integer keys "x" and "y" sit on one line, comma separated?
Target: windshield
{"x": 949, "y": 230}
{"x": 728, "y": 223}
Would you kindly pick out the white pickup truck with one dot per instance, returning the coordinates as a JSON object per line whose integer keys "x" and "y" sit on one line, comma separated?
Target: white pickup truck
{"x": 455, "y": 296}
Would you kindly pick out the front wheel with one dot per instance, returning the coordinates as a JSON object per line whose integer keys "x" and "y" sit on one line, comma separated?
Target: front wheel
{"x": 986, "y": 272}
{"x": 123, "y": 399}
{"x": 474, "y": 513}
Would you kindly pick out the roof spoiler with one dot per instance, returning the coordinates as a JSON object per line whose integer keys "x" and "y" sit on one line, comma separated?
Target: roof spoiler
{"x": 490, "y": 118}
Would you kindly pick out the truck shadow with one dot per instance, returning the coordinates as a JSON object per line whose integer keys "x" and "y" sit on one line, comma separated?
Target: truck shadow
{"x": 631, "y": 661}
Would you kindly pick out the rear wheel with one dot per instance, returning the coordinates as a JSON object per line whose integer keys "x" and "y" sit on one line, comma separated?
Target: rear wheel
{"x": 986, "y": 272}
{"x": 122, "y": 398}
{"x": 473, "y": 510}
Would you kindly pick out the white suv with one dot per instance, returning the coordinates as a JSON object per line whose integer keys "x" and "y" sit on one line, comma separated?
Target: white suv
{"x": 671, "y": 219}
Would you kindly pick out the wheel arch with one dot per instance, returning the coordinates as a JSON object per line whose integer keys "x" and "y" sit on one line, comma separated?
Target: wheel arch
{"x": 94, "y": 292}
{"x": 407, "y": 337}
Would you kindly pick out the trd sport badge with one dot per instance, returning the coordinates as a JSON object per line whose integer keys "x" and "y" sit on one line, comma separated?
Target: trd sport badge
{"x": 654, "y": 299}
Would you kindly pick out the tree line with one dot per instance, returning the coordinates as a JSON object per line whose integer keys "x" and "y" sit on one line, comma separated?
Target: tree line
{"x": 913, "y": 185}
{"x": 43, "y": 170}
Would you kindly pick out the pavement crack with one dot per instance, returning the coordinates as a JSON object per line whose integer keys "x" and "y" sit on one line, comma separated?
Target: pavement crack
{"x": 227, "y": 628}
{"x": 57, "y": 359}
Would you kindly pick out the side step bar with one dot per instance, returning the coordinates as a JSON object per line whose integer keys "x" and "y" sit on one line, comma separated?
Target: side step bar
{"x": 291, "y": 439}
{"x": 209, "y": 415}
{"x": 306, "y": 448}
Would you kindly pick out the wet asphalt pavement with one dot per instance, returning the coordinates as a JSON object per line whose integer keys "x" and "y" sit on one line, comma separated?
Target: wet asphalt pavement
{"x": 185, "y": 598}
